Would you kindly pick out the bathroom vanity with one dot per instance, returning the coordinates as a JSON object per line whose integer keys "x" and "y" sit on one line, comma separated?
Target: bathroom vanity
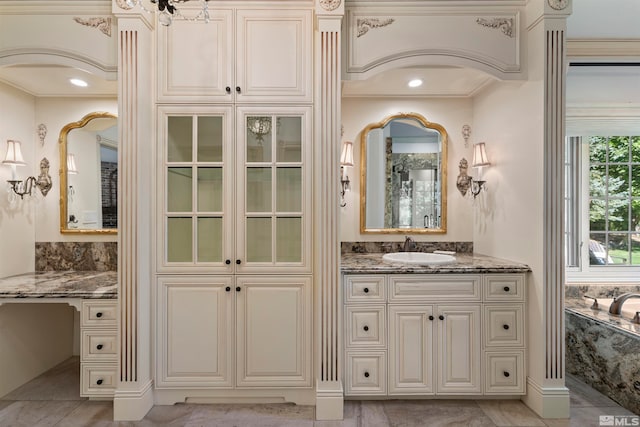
{"x": 94, "y": 295}
{"x": 441, "y": 330}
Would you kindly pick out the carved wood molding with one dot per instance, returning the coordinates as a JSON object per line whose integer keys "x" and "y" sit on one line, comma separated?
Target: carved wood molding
{"x": 365, "y": 24}
{"x": 505, "y": 24}
{"x": 330, "y": 5}
{"x": 122, "y": 4}
{"x": 102, "y": 24}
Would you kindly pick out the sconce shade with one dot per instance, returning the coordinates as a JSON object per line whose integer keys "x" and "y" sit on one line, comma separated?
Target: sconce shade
{"x": 71, "y": 164}
{"x": 346, "y": 156}
{"x": 14, "y": 154}
{"x": 480, "y": 155}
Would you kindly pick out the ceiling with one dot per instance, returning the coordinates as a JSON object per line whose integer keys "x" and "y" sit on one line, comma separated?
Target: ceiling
{"x": 612, "y": 19}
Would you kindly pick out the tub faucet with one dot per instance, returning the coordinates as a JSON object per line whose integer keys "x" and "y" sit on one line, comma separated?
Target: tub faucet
{"x": 409, "y": 244}
{"x": 616, "y": 305}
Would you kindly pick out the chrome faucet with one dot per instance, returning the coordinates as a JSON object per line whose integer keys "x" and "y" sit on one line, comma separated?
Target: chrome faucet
{"x": 409, "y": 244}
{"x": 616, "y": 305}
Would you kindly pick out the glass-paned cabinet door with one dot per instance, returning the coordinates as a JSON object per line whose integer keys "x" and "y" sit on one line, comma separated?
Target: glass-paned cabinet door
{"x": 195, "y": 189}
{"x": 273, "y": 188}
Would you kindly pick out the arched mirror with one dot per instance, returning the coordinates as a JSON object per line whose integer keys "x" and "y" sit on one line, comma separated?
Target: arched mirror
{"x": 89, "y": 175}
{"x": 403, "y": 170}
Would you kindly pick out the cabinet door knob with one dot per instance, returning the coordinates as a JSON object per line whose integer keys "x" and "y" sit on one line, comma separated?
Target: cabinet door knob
{"x": 228, "y": 261}
{"x": 366, "y": 328}
{"x": 99, "y": 314}
{"x": 237, "y": 288}
{"x": 366, "y": 290}
{"x": 430, "y": 317}
{"x": 238, "y": 89}
{"x": 99, "y": 346}
{"x": 99, "y": 382}
{"x": 507, "y": 289}
{"x": 441, "y": 317}
{"x": 228, "y": 289}
{"x": 505, "y": 327}
{"x": 228, "y": 89}
{"x": 366, "y": 374}
{"x": 506, "y": 374}
{"x": 238, "y": 262}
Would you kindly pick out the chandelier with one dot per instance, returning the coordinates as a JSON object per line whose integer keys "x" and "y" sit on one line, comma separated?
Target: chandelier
{"x": 259, "y": 126}
{"x": 168, "y": 10}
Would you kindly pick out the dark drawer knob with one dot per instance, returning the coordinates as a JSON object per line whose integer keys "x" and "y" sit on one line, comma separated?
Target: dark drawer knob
{"x": 507, "y": 289}
{"x": 228, "y": 89}
{"x": 366, "y": 290}
{"x": 430, "y": 317}
{"x": 238, "y": 89}
{"x": 237, "y": 288}
{"x": 99, "y": 314}
{"x": 366, "y": 328}
{"x": 506, "y": 374}
{"x": 238, "y": 261}
{"x": 99, "y": 346}
{"x": 99, "y": 382}
{"x": 505, "y": 327}
{"x": 228, "y": 261}
{"x": 441, "y": 317}
{"x": 228, "y": 289}
{"x": 366, "y": 374}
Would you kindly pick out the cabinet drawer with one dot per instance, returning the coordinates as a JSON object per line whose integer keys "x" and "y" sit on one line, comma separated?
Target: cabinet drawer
{"x": 505, "y": 373}
{"x": 98, "y": 380}
{"x": 504, "y": 287}
{"x": 99, "y": 346}
{"x": 366, "y": 373}
{"x": 366, "y": 326}
{"x": 504, "y": 325}
{"x": 361, "y": 288}
{"x": 99, "y": 313}
{"x": 436, "y": 287}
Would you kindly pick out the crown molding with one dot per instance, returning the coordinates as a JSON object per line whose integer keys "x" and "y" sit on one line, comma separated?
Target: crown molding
{"x": 55, "y": 7}
{"x": 589, "y": 48}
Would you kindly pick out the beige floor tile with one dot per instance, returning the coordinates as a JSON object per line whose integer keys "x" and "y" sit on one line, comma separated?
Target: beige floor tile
{"x": 510, "y": 413}
{"x": 273, "y": 415}
{"x": 36, "y": 413}
{"x": 59, "y": 383}
{"x": 436, "y": 413}
{"x": 582, "y": 394}
{"x": 588, "y": 416}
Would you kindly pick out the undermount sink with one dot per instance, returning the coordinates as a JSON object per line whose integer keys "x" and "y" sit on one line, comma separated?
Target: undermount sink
{"x": 419, "y": 258}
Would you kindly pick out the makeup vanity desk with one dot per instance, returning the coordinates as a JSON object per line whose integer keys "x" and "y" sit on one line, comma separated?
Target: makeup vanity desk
{"x": 94, "y": 295}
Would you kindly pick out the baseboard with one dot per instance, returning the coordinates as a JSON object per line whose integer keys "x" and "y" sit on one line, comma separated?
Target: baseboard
{"x": 547, "y": 402}
{"x": 133, "y": 404}
{"x": 329, "y": 401}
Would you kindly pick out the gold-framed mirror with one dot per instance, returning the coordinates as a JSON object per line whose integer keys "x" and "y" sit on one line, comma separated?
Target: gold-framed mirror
{"x": 89, "y": 175}
{"x": 403, "y": 176}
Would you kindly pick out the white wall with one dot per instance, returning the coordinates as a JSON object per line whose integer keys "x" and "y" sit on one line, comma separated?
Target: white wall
{"x": 17, "y": 218}
{"x": 452, "y": 114}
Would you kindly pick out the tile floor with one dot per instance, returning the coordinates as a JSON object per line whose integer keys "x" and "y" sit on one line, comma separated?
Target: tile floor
{"x": 53, "y": 399}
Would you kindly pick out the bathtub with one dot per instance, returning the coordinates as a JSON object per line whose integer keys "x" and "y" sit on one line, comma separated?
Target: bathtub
{"x": 603, "y": 349}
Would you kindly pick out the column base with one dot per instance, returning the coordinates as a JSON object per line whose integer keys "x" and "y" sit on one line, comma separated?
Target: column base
{"x": 547, "y": 402}
{"x": 132, "y": 403}
{"x": 329, "y": 401}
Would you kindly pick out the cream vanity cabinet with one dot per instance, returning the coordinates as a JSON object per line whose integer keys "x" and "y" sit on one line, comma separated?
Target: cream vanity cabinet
{"x": 436, "y": 334}
{"x": 233, "y": 292}
{"x": 98, "y": 346}
{"x": 241, "y": 55}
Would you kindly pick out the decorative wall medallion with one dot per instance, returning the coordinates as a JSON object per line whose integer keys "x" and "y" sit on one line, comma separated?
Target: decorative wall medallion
{"x": 330, "y": 4}
{"x": 42, "y": 132}
{"x": 558, "y": 4}
{"x": 466, "y": 133}
{"x": 505, "y": 24}
{"x": 124, "y": 4}
{"x": 103, "y": 24}
{"x": 365, "y": 24}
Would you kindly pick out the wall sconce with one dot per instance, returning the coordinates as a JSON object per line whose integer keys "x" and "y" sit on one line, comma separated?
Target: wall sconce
{"x": 14, "y": 158}
{"x": 346, "y": 160}
{"x": 71, "y": 164}
{"x": 466, "y": 182}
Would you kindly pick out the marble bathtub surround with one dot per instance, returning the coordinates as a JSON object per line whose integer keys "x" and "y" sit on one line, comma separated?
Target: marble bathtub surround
{"x": 599, "y": 290}
{"x": 79, "y": 256}
{"x": 60, "y": 284}
{"x": 386, "y": 247}
{"x": 623, "y": 322}
{"x": 604, "y": 356}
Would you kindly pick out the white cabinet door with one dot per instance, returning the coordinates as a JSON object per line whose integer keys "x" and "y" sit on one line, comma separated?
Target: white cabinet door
{"x": 273, "y": 331}
{"x": 195, "y": 336}
{"x": 274, "y": 52}
{"x": 459, "y": 349}
{"x": 411, "y": 349}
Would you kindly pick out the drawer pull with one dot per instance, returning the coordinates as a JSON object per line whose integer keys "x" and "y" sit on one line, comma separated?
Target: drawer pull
{"x": 366, "y": 290}
{"x": 237, "y": 288}
{"x": 99, "y": 382}
{"x": 506, "y": 374}
{"x": 99, "y": 346}
{"x": 238, "y": 262}
{"x": 507, "y": 289}
{"x": 366, "y": 374}
{"x": 430, "y": 317}
{"x": 227, "y": 89}
{"x": 238, "y": 89}
{"x": 227, "y": 261}
{"x": 441, "y": 317}
{"x": 505, "y": 327}
{"x": 228, "y": 289}
{"x": 366, "y": 328}
{"x": 99, "y": 314}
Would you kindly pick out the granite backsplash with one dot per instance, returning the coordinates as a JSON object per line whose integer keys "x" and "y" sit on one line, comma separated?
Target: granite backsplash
{"x": 386, "y": 247}
{"x": 77, "y": 256}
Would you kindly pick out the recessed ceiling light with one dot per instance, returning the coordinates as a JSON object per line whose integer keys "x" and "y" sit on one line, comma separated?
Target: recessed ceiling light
{"x": 78, "y": 82}
{"x": 415, "y": 83}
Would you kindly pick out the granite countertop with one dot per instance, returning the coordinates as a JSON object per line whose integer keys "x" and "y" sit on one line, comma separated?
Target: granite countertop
{"x": 465, "y": 263}
{"x": 61, "y": 284}
{"x": 582, "y": 307}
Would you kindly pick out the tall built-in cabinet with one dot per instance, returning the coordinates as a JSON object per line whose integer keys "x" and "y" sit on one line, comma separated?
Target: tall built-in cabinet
{"x": 233, "y": 295}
